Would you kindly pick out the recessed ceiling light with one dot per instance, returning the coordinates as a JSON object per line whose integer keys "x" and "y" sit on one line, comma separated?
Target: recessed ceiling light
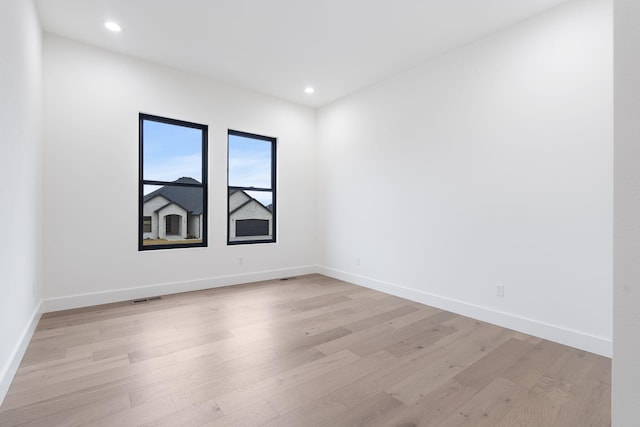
{"x": 309, "y": 89}
{"x": 113, "y": 26}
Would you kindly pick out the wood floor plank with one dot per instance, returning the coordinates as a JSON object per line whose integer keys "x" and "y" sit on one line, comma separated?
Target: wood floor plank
{"x": 292, "y": 398}
{"x": 387, "y": 379}
{"x": 307, "y": 351}
{"x": 177, "y": 345}
{"x": 541, "y": 405}
{"x": 194, "y": 415}
{"x": 88, "y": 406}
{"x": 350, "y": 340}
{"x": 139, "y": 415}
{"x": 253, "y": 414}
{"x": 601, "y": 370}
{"x": 481, "y": 373}
{"x": 414, "y": 316}
{"x": 489, "y": 406}
{"x": 395, "y": 335}
{"x": 380, "y": 318}
{"x": 313, "y": 413}
{"x": 419, "y": 340}
{"x": 588, "y": 405}
{"x": 204, "y": 382}
{"x": 237, "y": 374}
{"x": 302, "y": 374}
{"x": 533, "y": 364}
{"x": 439, "y": 368}
{"x": 368, "y": 412}
{"x": 572, "y": 366}
{"x": 433, "y": 408}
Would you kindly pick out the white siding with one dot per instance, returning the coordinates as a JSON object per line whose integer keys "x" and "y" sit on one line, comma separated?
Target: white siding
{"x": 237, "y": 199}
{"x": 149, "y": 209}
{"x": 194, "y": 226}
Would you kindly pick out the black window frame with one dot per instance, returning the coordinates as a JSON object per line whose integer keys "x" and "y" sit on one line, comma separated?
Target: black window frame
{"x": 142, "y": 117}
{"x": 272, "y": 190}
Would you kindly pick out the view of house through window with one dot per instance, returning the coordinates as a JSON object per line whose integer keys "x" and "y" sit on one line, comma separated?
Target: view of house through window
{"x": 173, "y": 189}
{"x": 146, "y": 224}
{"x": 251, "y": 180}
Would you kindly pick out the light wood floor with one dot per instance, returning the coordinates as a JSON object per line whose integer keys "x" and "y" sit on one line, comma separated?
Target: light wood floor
{"x": 308, "y": 351}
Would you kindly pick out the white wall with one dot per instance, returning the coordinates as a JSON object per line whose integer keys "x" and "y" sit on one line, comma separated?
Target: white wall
{"x": 491, "y": 164}
{"x": 626, "y": 334}
{"x": 20, "y": 143}
{"x": 92, "y": 98}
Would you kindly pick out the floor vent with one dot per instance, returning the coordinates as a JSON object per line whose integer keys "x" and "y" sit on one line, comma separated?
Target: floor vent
{"x": 141, "y": 300}
{"x": 288, "y": 278}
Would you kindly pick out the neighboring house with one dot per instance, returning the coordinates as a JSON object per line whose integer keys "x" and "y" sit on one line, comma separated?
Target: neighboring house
{"x": 173, "y": 213}
{"x": 248, "y": 218}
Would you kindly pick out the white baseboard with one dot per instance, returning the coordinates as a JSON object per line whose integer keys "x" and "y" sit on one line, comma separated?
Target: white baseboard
{"x": 97, "y": 298}
{"x": 11, "y": 367}
{"x": 572, "y": 338}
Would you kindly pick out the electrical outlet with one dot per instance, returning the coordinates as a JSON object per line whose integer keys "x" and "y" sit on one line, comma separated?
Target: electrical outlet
{"x": 357, "y": 261}
{"x": 240, "y": 261}
{"x": 500, "y": 290}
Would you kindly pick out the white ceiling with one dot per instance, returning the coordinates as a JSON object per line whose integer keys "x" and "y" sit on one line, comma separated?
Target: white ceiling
{"x": 278, "y": 47}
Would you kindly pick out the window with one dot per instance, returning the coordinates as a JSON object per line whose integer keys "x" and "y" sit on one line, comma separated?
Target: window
{"x": 146, "y": 224}
{"x": 251, "y": 188}
{"x": 173, "y": 184}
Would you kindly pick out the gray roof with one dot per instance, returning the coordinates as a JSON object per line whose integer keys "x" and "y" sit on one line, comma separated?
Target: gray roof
{"x": 189, "y": 198}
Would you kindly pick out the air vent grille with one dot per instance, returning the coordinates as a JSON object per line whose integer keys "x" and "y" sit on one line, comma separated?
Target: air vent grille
{"x": 141, "y": 300}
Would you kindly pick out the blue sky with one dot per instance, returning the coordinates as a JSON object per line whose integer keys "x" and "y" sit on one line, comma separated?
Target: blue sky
{"x": 250, "y": 166}
{"x": 172, "y": 152}
{"x": 167, "y": 160}
{"x": 249, "y": 162}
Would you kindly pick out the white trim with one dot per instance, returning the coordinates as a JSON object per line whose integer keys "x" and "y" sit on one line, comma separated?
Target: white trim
{"x": 570, "y": 337}
{"x": 106, "y": 297}
{"x": 11, "y": 367}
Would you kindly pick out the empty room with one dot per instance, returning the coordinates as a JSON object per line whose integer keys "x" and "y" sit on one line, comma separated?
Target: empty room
{"x": 340, "y": 213}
